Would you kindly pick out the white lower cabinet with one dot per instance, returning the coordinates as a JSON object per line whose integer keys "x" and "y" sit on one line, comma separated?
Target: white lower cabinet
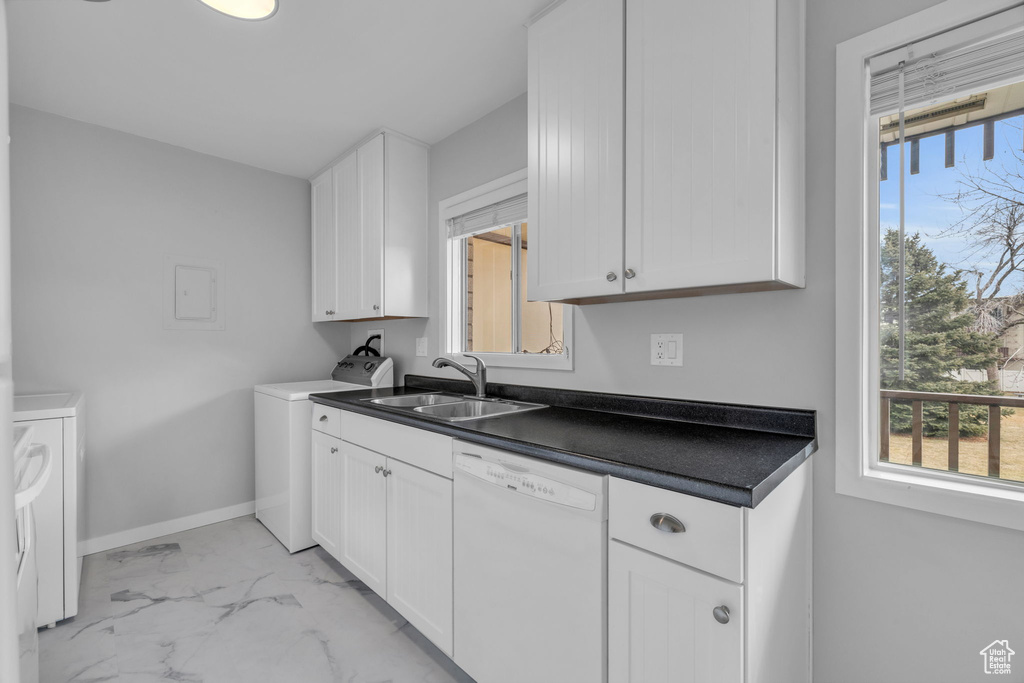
{"x": 364, "y": 527}
{"x": 662, "y": 625}
{"x": 386, "y": 519}
{"x": 702, "y": 592}
{"x": 697, "y": 591}
{"x": 326, "y": 472}
{"x": 419, "y": 571}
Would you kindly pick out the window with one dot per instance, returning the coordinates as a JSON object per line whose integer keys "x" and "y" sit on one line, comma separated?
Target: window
{"x": 485, "y": 259}
{"x": 952, "y": 232}
{"x": 930, "y": 265}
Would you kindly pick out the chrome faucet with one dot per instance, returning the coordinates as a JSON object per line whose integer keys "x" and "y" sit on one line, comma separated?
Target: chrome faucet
{"x": 479, "y": 378}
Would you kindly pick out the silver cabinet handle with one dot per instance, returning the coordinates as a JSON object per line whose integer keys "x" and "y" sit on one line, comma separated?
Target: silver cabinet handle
{"x": 721, "y": 614}
{"x": 630, "y": 273}
{"x": 386, "y": 472}
{"x": 333, "y": 449}
{"x": 378, "y": 469}
{"x": 611, "y": 276}
{"x": 323, "y": 418}
{"x": 376, "y": 307}
{"x": 667, "y": 523}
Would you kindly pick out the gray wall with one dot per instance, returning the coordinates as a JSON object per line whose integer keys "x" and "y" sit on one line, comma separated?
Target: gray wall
{"x": 169, "y": 412}
{"x": 899, "y": 595}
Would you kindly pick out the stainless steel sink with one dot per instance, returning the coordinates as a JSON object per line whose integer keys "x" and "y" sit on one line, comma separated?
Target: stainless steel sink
{"x": 416, "y": 400}
{"x": 453, "y": 408}
{"x": 475, "y": 409}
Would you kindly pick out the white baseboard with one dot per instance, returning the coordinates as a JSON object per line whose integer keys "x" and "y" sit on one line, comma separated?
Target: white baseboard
{"x": 171, "y": 526}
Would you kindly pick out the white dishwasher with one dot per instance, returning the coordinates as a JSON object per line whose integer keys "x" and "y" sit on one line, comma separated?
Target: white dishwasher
{"x": 530, "y": 545}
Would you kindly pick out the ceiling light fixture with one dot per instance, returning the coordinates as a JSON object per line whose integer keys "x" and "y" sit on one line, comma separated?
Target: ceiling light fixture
{"x": 252, "y": 10}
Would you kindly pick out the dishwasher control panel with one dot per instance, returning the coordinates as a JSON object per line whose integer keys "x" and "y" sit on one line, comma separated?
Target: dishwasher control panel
{"x": 526, "y": 483}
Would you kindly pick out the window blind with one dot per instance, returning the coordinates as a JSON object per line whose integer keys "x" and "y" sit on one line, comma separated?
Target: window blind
{"x": 979, "y": 55}
{"x": 507, "y": 211}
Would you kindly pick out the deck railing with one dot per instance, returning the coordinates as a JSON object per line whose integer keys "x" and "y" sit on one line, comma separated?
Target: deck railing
{"x": 917, "y": 400}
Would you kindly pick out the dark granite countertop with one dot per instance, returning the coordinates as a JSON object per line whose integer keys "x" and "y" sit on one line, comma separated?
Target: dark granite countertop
{"x": 727, "y": 453}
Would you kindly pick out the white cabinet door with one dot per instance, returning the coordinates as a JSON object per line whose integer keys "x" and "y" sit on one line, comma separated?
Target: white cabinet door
{"x": 325, "y": 255}
{"x": 363, "y": 537}
{"x": 661, "y": 622}
{"x": 420, "y": 550}
{"x": 348, "y": 232}
{"x": 700, "y": 143}
{"x": 326, "y": 491}
{"x": 575, "y": 128}
{"x": 359, "y": 194}
{"x": 370, "y": 286}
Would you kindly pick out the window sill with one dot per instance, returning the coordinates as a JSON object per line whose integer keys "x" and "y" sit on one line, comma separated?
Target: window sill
{"x": 943, "y": 493}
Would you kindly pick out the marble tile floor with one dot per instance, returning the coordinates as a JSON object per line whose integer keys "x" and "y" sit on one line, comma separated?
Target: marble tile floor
{"x": 226, "y": 603}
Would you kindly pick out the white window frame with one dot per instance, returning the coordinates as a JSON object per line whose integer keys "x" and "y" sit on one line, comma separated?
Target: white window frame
{"x": 506, "y": 187}
{"x": 858, "y": 471}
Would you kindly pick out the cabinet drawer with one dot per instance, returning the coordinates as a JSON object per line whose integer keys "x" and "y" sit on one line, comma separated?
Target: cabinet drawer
{"x": 327, "y": 420}
{"x": 713, "y": 536}
{"x": 418, "y": 447}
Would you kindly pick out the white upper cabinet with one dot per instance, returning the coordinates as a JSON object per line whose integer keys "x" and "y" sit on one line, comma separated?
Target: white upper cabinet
{"x": 370, "y": 224}
{"x": 576, "y": 156}
{"x": 697, "y": 158}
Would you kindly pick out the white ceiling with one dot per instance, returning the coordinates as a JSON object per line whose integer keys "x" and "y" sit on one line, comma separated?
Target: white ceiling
{"x": 287, "y": 94}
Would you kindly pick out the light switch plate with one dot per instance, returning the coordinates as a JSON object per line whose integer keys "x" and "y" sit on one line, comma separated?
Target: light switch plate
{"x": 421, "y": 346}
{"x": 667, "y": 349}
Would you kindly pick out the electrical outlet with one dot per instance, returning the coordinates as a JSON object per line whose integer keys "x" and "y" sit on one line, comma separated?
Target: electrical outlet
{"x": 377, "y": 343}
{"x": 421, "y": 346}
{"x": 667, "y": 349}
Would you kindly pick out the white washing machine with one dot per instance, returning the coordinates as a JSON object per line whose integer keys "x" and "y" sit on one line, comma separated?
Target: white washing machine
{"x": 283, "y": 470}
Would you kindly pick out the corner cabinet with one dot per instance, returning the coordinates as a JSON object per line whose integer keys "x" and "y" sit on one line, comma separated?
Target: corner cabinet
{"x": 382, "y": 507}
{"x": 666, "y": 149}
{"x": 369, "y": 232}
{"x": 705, "y": 592}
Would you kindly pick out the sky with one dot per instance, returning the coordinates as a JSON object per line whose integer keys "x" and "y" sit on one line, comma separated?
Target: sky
{"x": 927, "y": 213}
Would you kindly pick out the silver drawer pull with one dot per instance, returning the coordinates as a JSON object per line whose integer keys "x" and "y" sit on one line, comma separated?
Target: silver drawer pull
{"x": 333, "y": 449}
{"x": 323, "y": 418}
{"x": 378, "y": 469}
{"x": 721, "y": 614}
{"x": 667, "y": 523}
{"x": 386, "y": 472}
